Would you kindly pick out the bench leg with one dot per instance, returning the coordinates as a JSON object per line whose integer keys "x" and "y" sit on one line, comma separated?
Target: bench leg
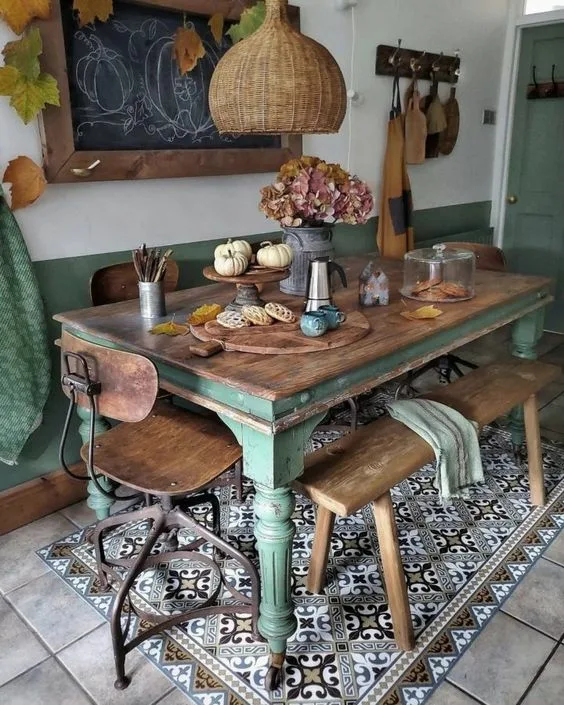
{"x": 394, "y": 576}
{"x": 534, "y": 451}
{"x": 317, "y": 573}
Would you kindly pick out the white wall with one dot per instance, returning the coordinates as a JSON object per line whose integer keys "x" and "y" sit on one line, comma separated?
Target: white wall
{"x": 91, "y": 218}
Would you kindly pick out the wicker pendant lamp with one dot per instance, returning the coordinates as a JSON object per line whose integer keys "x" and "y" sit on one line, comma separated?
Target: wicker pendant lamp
{"x": 278, "y": 81}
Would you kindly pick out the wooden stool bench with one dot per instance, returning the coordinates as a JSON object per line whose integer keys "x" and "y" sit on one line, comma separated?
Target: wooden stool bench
{"x": 361, "y": 468}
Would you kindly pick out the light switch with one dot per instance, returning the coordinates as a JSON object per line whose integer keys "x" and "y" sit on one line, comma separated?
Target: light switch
{"x": 489, "y": 117}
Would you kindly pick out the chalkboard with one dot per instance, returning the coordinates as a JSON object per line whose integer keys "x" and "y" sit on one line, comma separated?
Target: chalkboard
{"x": 126, "y": 91}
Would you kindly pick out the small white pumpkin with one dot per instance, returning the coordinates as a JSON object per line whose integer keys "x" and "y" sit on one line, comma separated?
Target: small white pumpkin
{"x": 271, "y": 255}
{"x": 241, "y": 246}
{"x": 231, "y": 264}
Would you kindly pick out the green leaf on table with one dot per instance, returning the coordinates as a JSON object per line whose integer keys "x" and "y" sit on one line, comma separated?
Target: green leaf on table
{"x": 251, "y": 19}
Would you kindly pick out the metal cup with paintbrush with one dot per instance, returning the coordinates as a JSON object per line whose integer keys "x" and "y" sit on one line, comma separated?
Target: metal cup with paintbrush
{"x": 150, "y": 267}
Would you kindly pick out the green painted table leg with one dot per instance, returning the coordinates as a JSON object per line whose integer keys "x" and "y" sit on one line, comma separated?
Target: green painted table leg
{"x": 527, "y": 332}
{"x": 98, "y": 502}
{"x": 272, "y": 462}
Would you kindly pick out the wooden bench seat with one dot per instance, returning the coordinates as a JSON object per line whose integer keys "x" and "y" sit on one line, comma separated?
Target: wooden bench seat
{"x": 361, "y": 468}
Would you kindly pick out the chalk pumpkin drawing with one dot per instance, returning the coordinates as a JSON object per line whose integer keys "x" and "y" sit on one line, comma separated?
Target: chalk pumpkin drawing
{"x": 127, "y": 91}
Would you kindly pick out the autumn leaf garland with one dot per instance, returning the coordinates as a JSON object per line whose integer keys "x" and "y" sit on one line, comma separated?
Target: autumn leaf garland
{"x": 19, "y": 13}
{"x": 21, "y": 78}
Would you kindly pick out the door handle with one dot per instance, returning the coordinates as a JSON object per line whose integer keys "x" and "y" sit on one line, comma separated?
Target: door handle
{"x": 512, "y": 200}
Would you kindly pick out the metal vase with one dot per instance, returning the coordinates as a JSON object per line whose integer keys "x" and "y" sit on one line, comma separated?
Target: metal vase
{"x": 307, "y": 244}
{"x": 152, "y": 299}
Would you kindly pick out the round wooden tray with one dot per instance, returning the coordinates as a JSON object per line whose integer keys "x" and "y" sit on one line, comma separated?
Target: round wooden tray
{"x": 283, "y": 338}
{"x": 247, "y": 289}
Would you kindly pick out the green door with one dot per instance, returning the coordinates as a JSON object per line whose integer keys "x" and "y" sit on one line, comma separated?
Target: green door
{"x": 534, "y": 226}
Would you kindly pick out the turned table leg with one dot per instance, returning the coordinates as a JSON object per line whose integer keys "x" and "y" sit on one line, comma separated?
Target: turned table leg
{"x": 98, "y": 502}
{"x": 272, "y": 461}
{"x": 527, "y": 331}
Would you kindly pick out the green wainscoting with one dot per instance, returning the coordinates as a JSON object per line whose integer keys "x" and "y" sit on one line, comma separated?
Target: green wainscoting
{"x": 64, "y": 285}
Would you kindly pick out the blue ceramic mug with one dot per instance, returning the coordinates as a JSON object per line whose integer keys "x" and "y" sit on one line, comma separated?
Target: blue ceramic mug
{"x": 334, "y": 316}
{"x": 314, "y": 324}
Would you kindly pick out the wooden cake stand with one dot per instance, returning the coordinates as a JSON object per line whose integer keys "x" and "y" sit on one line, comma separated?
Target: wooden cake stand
{"x": 247, "y": 290}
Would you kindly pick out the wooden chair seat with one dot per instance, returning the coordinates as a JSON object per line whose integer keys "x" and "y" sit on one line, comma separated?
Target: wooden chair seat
{"x": 361, "y": 468}
{"x": 172, "y": 452}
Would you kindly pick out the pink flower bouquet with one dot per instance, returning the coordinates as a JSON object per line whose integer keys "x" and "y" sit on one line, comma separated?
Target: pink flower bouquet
{"x": 311, "y": 193}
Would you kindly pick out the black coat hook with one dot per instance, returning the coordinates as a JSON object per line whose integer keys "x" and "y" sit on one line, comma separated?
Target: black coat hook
{"x": 552, "y": 91}
{"x": 396, "y": 60}
{"x": 534, "y": 92}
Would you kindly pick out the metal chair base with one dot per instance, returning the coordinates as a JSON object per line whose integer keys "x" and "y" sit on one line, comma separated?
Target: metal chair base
{"x": 445, "y": 366}
{"x": 168, "y": 520}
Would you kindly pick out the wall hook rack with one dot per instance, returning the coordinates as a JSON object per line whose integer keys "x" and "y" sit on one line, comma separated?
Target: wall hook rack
{"x": 406, "y": 62}
{"x": 541, "y": 90}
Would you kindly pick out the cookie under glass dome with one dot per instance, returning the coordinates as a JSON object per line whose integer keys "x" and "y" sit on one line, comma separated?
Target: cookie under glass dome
{"x": 439, "y": 274}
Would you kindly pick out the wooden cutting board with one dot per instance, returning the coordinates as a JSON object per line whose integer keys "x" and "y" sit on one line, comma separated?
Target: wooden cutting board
{"x": 283, "y": 338}
{"x": 449, "y": 137}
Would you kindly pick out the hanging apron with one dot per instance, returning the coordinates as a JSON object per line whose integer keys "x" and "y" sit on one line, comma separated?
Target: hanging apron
{"x": 395, "y": 233}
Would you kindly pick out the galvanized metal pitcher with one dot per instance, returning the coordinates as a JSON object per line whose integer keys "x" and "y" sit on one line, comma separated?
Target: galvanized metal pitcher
{"x": 307, "y": 244}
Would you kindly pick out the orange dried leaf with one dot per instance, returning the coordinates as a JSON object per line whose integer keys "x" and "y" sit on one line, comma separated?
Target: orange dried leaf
{"x": 188, "y": 49}
{"x": 170, "y": 328}
{"x": 423, "y": 313}
{"x": 19, "y": 13}
{"x": 216, "y": 27}
{"x": 91, "y": 10}
{"x": 27, "y": 179}
{"x": 207, "y": 312}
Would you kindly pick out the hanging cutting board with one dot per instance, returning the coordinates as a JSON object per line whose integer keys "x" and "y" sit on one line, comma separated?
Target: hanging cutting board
{"x": 283, "y": 338}
{"x": 415, "y": 129}
{"x": 449, "y": 137}
{"x": 429, "y": 103}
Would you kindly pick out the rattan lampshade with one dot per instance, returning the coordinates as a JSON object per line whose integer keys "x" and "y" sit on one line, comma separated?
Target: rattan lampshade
{"x": 278, "y": 81}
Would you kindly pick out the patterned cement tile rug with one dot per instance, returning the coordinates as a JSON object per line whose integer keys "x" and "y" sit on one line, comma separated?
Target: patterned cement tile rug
{"x": 461, "y": 562}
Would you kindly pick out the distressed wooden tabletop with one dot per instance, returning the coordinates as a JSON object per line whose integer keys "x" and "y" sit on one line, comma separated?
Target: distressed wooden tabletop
{"x": 278, "y": 377}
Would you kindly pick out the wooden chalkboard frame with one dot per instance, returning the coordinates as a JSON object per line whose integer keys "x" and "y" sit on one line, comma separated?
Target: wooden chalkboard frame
{"x": 61, "y": 157}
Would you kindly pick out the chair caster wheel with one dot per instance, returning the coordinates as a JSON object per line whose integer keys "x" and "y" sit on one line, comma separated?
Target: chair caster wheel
{"x": 122, "y": 683}
{"x": 272, "y": 679}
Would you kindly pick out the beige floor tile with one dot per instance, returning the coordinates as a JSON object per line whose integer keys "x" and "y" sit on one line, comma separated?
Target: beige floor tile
{"x": 46, "y": 684}
{"x": 548, "y": 435}
{"x": 17, "y": 550}
{"x": 550, "y": 393}
{"x": 549, "y": 343}
{"x": 81, "y": 514}
{"x": 549, "y": 688}
{"x": 176, "y": 697}
{"x": 19, "y": 648}
{"x": 501, "y": 663}
{"x": 555, "y": 356}
{"x": 538, "y": 600}
{"x": 556, "y": 549}
{"x": 90, "y": 660}
{"x": 447, "y": 694}
{"x": 54, "y": 611}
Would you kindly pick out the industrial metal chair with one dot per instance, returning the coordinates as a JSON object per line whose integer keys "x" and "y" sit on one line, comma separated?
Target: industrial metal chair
{"x": 162, "y": 451}
{"x": 489, "y": 258}
{"x": 118, "y": 282}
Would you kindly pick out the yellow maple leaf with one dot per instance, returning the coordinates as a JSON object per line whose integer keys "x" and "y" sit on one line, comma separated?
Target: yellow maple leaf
{"x": 423, "y": 313}
{"x": 19, "y": 13}
{"x": 91, "y": 10}
{"x": 188, "y": 49}
{"x": 216, "y": 27}
{"x": 207, "y": 312}
{"x": 170, "y": 328}
{"x": 27, "y": 180}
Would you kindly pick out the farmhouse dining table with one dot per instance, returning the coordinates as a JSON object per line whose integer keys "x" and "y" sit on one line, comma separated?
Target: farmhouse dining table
{"x": 272, "y": 403}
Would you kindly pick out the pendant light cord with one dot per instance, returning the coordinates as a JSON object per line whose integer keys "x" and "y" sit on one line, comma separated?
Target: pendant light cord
{"x": 351, "y": 84}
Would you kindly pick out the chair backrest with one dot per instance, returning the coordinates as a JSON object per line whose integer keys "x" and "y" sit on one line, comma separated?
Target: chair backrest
{"x": 118, "y": 282}
{"x": 487, "y": 256}
{"x": 129, "y": 382}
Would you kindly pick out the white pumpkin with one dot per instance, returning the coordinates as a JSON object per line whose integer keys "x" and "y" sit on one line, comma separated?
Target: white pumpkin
{"x": 271, "y": 255}
{"x": 241, "y": 246}
{"x": 231, "y": 264}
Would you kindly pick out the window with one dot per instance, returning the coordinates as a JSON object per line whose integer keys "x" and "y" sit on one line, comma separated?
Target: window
{"x": 532, "y": 7}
